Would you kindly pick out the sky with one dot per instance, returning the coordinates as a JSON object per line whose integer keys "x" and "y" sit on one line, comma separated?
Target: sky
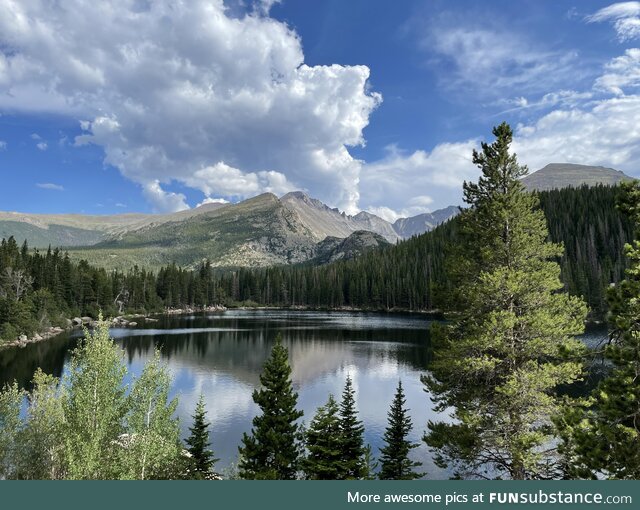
{"x": 158, "y": 106}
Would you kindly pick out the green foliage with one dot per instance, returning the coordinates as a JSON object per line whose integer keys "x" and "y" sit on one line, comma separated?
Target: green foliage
{"x": 202, "y": 458}
{"x": 95, "y": 408}
{"x": 151, "y": 446}
{"x": 394, "y": 461}
{"x": 42, "y": 442}
{"x": 352, "y": 435}
{"x": 512, "y": 343}
{"x": 273, "y": 450}
{"x": 10, "y": 429}
{"x": 601, "y": 437}
{"x": 324, "y": 460}
{"x": 88, "y": 427}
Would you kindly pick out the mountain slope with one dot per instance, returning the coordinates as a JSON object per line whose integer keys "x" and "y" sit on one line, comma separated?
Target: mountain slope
{"x": 416, "y": 225}
{"x": 332, "y": 249}
{"x": 566, "y": 175}
{"x": 260, "y": 231}
{"x": 323, "y": 221}
{"x": 257, "y": 232}
{"x": 42, "y": 230}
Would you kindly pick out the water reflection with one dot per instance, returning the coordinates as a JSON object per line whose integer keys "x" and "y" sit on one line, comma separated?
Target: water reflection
{"x": 221, "y": 356}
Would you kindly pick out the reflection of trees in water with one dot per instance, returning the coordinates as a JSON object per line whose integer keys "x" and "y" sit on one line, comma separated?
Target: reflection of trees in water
{"x": 19, "y": 364}
{"x": 316, "y": 344}
{"x": 242, "y": 349}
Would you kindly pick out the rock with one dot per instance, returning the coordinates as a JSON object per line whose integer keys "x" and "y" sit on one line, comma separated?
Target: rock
{"x": 132, "y": 324}
{"x": 77, "y": 321}
{"x": 37, "y": 337}
{"x": 68, "y": 323}
{"x": 86, "y": 320}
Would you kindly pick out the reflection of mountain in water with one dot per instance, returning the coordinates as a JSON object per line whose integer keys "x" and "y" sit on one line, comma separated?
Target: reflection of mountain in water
{"x": 242, "y": 348}
{"x": 238, "y": 342}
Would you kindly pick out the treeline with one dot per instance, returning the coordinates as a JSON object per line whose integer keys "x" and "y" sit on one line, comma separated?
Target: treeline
{"x": 411, "y": 275}
{"x": 91, "y": 425}
{"x": 42, "y": 289}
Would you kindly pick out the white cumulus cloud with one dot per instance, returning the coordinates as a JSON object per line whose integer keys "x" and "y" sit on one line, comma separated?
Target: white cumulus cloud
{"x": 401, "y": 184}
{"x": 177, "y": 91}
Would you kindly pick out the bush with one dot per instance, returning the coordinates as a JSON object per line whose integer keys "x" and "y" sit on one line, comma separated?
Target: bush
{"x": 8, "y": 333}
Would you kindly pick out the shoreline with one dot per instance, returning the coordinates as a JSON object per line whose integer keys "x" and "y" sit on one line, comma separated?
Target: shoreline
{"x": 125, "y": 320}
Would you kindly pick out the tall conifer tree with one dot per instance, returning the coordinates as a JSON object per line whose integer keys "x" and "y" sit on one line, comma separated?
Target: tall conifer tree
{"x": 324, "y": 460}
{"x": 352, "y": 433}
{"x": 272, "y": 451}
{"x": 202, "y": 457}
{"x": 513, "y": 341}
{"x": 394, "y": 461}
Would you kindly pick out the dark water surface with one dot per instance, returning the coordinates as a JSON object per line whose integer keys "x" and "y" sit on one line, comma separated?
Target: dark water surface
{"x": 221, "y": 355}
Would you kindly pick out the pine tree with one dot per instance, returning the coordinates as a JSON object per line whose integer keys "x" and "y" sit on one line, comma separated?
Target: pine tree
{"x": 324, "y": 460}
{"x": 394, "y": 461}
{"x": 272, "y": 451}
{"x": 499, "y": 363}
{"x": 352, "y": 434}
{"x": 603, "y": 437}
{"x": 202, "y": 458}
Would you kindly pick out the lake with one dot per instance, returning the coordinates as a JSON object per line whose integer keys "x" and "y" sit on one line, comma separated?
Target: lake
{"x": 221, "y": 355}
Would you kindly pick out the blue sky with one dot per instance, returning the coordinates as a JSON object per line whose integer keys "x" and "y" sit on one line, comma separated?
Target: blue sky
{"x": 139, "y": 106}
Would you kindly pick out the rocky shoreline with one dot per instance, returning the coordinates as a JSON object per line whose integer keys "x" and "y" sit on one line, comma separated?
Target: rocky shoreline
{"x": 122, "y": 321}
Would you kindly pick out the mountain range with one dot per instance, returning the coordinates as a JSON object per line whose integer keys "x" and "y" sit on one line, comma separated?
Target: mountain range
{"x": 262, "y": 231}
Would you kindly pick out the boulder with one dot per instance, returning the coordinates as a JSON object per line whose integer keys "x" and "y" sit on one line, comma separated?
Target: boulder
{"x": 87, "y": 320}
{"x": 77, "y": 321}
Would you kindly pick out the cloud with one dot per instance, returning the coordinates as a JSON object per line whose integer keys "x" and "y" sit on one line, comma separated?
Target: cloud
{"x": 494, "y": 61}
{"x": 405, "y": 184}
{"x": 42, "y": 146}
{"x": 3, "y": 145}
{"x": 417, "y": 205}
{"x": 264, "y": 6}
{"x": 163, "y": 200}
{"x": 121, "y": 205}
{"x": 222, "y": 179}
{"x": 603, "y": 133}
{"x": 625, "y": 17}
{"x": 212, "y": 201}
{"x": 621, "y": 72}
{"x": 548, "y": 100}
{"x": 178, "y": 91}
{"x": 50, "y": 185}
{"x": 35, "y": 136}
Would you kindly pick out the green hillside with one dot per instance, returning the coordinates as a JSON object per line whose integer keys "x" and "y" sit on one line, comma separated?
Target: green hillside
{"x": 257, "y": 232}
{"x": 51, "y": 235}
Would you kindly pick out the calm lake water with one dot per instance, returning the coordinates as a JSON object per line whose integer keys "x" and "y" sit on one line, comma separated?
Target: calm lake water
{"x": 221, "y": 355}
